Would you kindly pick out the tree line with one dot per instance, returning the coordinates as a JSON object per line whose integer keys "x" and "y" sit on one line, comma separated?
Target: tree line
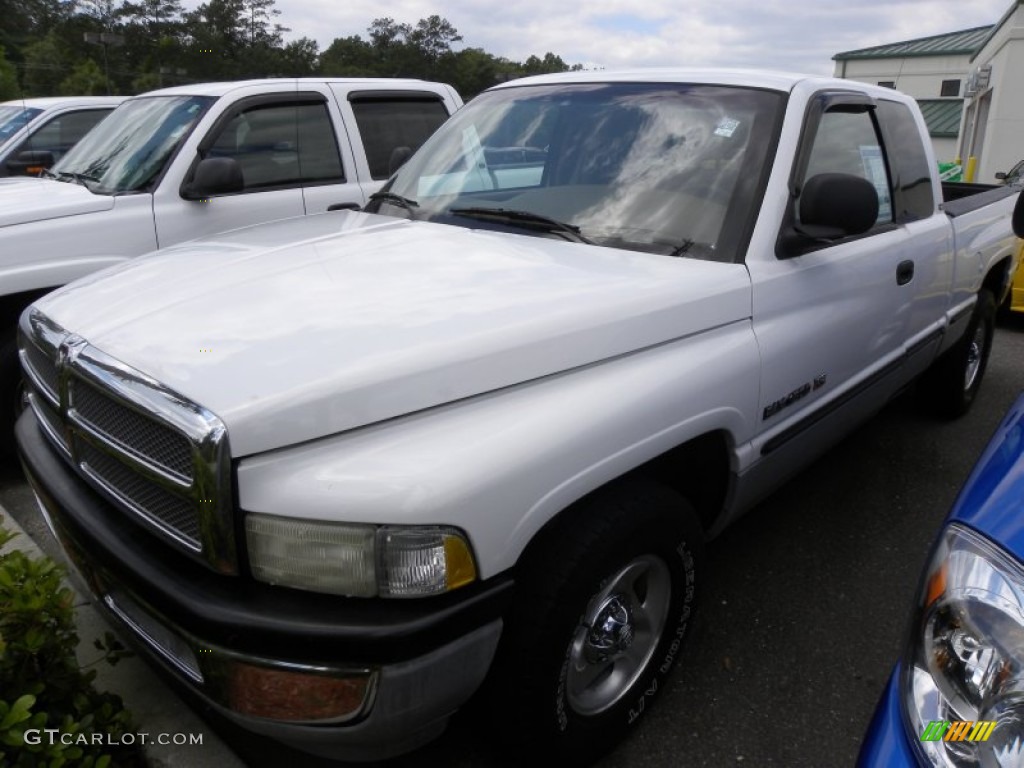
{"x": 90, "y": 47}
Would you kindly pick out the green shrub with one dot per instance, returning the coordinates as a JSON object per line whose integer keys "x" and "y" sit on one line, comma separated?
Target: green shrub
{"x": 41, "y": 683}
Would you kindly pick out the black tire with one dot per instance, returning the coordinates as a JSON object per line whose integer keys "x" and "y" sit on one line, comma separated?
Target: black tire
{"x": 955, "y": 378}
{"x": 10, "y": 392}
{"x": 603, "y": 606}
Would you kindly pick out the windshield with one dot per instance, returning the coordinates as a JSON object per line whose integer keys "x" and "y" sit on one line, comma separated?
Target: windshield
{"x": 128, "y": 150}
{"x": 661, "y": 168}
{"x": 13, "y": 118}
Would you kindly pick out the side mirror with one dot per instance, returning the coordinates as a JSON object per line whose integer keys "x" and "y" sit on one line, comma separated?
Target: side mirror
{"x": 398, "y": 157}
{"x": 30, "y": 163}
{"x": 1001, "y": 176}
{"x": 836, "y": 205}
{"x": 1018, "y": 216}
{"x": 214, "y": 176}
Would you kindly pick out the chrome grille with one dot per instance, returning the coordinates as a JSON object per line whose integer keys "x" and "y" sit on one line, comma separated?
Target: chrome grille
{"x": 51, "y": 420}
{"x": 156, "y": 455}
{"x": 171, "y": 646}
{"x": 146, "y": 497}
{"x": 132, "y": 431}
{"x": 44, "y": 368}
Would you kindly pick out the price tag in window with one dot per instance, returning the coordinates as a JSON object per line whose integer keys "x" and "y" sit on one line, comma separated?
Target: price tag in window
{"x": 874, "y": 171}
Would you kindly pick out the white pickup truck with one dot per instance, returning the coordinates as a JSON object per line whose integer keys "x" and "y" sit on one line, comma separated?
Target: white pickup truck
{"x": 336, "y": 472}
{"x": 35, "y": 133}
{"x": 185, "y": 162}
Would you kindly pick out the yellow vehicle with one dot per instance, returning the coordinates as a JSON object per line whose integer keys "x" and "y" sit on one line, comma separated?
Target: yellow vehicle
{"x": 1015, "y": 298}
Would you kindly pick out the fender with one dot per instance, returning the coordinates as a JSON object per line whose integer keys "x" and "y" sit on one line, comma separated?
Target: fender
{"x": 502, "y": 465}
{"x": 43, "y": 254}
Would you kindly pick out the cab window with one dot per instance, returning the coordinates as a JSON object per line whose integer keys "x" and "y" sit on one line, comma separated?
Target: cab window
{"x": 846, "y": 141}
{"x": 62, "y": 132}
{"x": 281, "y": 145}
{"x": 914, "y": 196}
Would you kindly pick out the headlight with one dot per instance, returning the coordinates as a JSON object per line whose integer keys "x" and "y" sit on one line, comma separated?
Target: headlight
{"x": 963, "y": 680}
{"x": 358, "y": 560}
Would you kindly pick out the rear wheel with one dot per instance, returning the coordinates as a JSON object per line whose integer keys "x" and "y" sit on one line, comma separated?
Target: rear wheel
{"x": 954, "y": 380}
{"x": 603, "y": 606}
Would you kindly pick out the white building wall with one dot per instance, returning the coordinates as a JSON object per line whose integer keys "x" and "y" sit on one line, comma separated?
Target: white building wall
{"x": 945, "y": 149}
{"x": 998, "y": 143}
{"x": 917, "y": 76}
{"x": 992, "y": 128}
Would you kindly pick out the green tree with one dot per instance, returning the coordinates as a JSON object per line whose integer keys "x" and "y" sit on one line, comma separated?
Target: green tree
{"x": 86, "y": 79}
{"x": 396, "y": 49}
{"x": 147, "y": 81}
{"x": 258, "y": 17}
{"x": 44, "y": 66}
{"x": 550, "y": 63}
{"x": 471, "y": 70}
{"x": 153, "y": 32}
{"x": 233, "y": 38}
{"x": 214, "y": 39}
{"x": 299, "y": 58}
{"x": 9, "y": 88}
{"x": 104, "y": 13}
{"x": 350, "y": 57}
{"x": 433, "y": 36}
{"x": 26, "y": 21}
{"x": 386, "y": 33}
{"x": 394, "y": 56}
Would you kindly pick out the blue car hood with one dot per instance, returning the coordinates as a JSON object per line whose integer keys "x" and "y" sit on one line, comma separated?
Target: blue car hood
{"x": 992, "y": 501}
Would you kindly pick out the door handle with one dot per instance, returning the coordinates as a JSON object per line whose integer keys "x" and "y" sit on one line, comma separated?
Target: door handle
{"x": 344, "y": 207}
{"x": 904, "y": 272}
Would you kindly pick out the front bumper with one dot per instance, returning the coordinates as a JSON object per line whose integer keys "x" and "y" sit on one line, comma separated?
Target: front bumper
{"x": 424, "y": 657}
{"x": 886, "y": 743}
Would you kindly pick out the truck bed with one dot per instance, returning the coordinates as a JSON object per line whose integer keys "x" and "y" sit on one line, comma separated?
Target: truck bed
{"x": 962, "y": 197}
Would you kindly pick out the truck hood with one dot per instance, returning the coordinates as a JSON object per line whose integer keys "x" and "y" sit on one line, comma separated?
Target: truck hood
{"x": 23, "y": 200}
{"x": 308, "y": 327}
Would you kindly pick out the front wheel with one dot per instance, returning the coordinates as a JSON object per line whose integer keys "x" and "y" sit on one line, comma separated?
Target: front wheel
{"x": 954, "y": 380}
{"x": 603, "y": 607}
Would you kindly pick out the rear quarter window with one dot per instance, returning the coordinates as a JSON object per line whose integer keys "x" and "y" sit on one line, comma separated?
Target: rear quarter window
{"x": 386, "y": 125}
{"x": 912, "y": 175}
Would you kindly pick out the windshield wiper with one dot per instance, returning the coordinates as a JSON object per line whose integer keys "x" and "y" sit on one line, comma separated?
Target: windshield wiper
{"x": 391, "y": 197}
{"x": 527, "y": 219}
{"x": 79, "y": 178}
{"x": 682, "y": 248}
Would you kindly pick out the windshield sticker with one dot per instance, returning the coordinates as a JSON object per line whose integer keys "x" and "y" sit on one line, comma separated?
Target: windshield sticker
{"x": 726, "y": 127}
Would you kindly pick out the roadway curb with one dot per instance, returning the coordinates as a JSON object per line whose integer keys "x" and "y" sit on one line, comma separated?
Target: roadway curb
{"x": 157, "y": 710}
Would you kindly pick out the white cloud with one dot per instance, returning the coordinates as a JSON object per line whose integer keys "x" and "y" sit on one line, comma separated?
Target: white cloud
{"x": 767, "y": 34}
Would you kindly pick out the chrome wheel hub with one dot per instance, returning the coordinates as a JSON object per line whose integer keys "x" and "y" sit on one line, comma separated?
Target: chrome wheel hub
{"x": 612, "y": 633}
{"x": 974, "y": 352}
{"x": 617, "y": 635}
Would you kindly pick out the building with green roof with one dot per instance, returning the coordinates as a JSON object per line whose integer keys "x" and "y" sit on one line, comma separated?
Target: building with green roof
{"x": 967, "y": 84}
{"x": 963, "y": 43}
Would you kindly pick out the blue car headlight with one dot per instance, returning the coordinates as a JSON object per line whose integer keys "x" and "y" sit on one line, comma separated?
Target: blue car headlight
{"x": 963, "y": 685}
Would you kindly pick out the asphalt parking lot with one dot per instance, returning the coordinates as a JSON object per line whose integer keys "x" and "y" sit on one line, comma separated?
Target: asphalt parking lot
{"x": 806, "y": 602}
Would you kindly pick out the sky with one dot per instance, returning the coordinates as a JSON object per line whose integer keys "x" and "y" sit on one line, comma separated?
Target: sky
{"x": 611, "y": 34}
